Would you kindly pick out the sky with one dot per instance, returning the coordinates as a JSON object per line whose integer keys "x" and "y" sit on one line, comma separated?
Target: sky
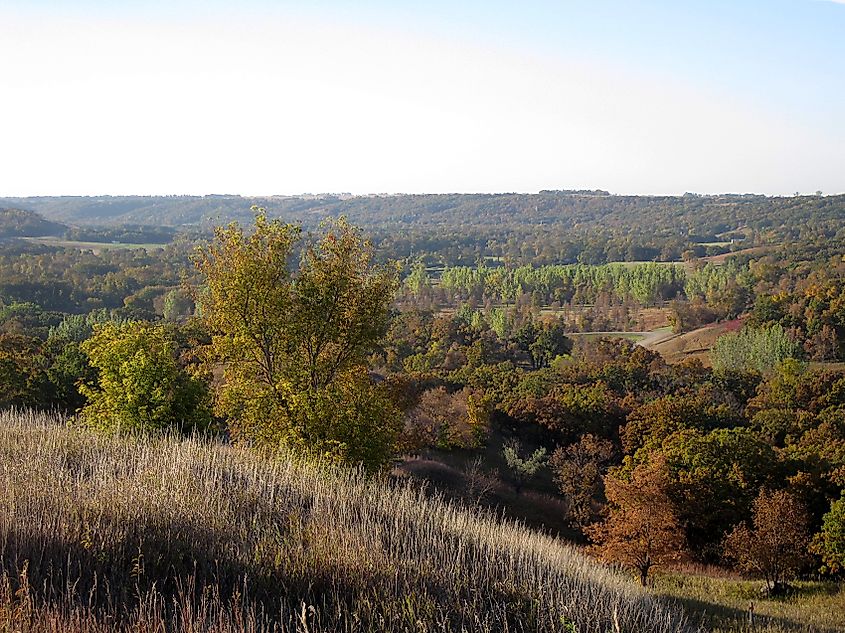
{"x": 261, "y": 97}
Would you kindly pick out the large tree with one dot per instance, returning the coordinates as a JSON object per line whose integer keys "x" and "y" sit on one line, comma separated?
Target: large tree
{"x": 775, "y": 546}
{"x": 641, "y": 530}
{"x": 293, "y": 339}
{"x": 578, "y": 470}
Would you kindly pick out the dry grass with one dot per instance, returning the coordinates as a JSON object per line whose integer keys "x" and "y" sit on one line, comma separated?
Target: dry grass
{"x": 109, "y": 534}
{"x": 695, "y": 344}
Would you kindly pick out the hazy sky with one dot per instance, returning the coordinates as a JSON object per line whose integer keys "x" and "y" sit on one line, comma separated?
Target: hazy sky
{"x": 261, "y": 97}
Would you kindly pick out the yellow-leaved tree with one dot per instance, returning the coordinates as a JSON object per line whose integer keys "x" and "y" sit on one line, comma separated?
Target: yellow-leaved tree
{"x": 292, "y": 339}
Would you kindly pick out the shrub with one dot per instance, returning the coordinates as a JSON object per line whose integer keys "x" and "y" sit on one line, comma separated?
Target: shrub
{"x": 140, "y": 385}
{"x": 522, "y": 468}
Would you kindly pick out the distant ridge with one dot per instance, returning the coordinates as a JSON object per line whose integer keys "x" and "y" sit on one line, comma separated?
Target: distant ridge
{"x": 572, "y": 210}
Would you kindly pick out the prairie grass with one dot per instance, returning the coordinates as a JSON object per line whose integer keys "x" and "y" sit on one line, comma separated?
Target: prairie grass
{"x": 160, "y": 534}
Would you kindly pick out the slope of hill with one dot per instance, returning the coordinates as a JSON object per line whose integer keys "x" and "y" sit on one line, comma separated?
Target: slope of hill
{"x": 704, "y": 219}
{"x": 694, "y": 344}
{"x": 20, "y": 223}
{"x": 108, "y": 533}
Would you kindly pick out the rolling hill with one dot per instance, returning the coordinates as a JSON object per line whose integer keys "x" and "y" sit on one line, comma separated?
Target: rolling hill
{"x": 118, "y": 533}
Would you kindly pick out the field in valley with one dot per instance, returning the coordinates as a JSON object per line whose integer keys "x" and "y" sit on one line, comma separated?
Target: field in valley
{"x": 94, "y": 247}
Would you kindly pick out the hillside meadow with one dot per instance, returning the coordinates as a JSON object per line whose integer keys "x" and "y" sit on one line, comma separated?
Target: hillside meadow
{"x": 107, "y": 533}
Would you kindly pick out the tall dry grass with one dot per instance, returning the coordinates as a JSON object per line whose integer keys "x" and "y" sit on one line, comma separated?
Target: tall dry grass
{"x": 120, "y": 533}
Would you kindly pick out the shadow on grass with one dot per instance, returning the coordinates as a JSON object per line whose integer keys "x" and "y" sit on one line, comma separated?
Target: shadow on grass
{"x": 720, "y": 617}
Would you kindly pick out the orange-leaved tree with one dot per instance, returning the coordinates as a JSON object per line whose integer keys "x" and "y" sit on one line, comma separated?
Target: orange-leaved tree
{"x": 775, "y": 547}
{"x": 578, "y": 470}
{"x": 641, "y": 530}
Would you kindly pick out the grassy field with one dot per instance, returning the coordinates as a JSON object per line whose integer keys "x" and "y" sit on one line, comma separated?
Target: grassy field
{"x": 96, "y": 247}
{"x": 721, "y": 605}
{"x": 719, "y": 244}
{"x": 721, "y": 259}
{"x": 131, "y": 534}
{"x": 629, "y": 336}
{"x": 694, "y": 344}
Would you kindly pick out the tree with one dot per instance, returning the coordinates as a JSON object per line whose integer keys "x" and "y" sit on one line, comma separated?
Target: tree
{"x": 447, "y": 420}
{"x": 522, "y": 468}
{"x": 571, "y": 410}
{"x": 293, "y": 344}
{"x": 713, "y": 479}
{"x": 66, "y": 365}
{"x": 578, "y": 470}
{"x": 829, "y": 543}
{"x": 551, "y": 342}
{"x": 775, "y": 547}
{"x": 641, "y": 530}
{"x": 140, "y": 385}
{"x": 757, "y": 349}
{"x": 22, "y": 379}
{"x": 177, "y": 305}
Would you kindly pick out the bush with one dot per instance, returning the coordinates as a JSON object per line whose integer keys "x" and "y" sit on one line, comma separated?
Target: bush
{"x": 140, "y": 385}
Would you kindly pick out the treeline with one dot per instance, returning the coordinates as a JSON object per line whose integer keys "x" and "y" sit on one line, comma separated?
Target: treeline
{"x": 700, "y": 294}
{"x": 545, "y": 228}
{"x": 702, "y": 219}
{"x": 19, "y": 223}
{"x": 580, "y": 284}
{"x": 135, "y": 282}
{"x": 799, "y": 289}
{"x": 125, "y": 234}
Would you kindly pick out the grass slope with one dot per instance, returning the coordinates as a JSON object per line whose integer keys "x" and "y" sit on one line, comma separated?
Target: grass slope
{"x": 104, "y": 534}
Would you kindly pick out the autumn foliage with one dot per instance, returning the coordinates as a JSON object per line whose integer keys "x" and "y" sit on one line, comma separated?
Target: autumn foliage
{"x": 641, "y": 530}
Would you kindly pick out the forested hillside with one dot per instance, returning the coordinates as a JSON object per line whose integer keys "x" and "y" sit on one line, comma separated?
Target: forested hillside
{"x": 18, "y": 223}
{"x": 589, "y": 227}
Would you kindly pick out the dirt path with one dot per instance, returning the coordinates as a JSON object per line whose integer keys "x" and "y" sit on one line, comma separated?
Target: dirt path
{"x": 646, "y": 339}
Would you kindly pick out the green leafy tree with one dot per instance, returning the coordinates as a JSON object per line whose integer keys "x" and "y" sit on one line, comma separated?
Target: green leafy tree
{"x": 140, "y": 384}
{"x": 713, "y": 479}
{"x": 522, "y": 468}
{"x": 66, "y": 365}
{"x": 550, "y": 343}
{"x": 418, "y": 279}
{"x": 177, "y": 305}
{"x": 829, "y": 543}
{"x": 757, "y": 349}
{"x": 293, "y": 343}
